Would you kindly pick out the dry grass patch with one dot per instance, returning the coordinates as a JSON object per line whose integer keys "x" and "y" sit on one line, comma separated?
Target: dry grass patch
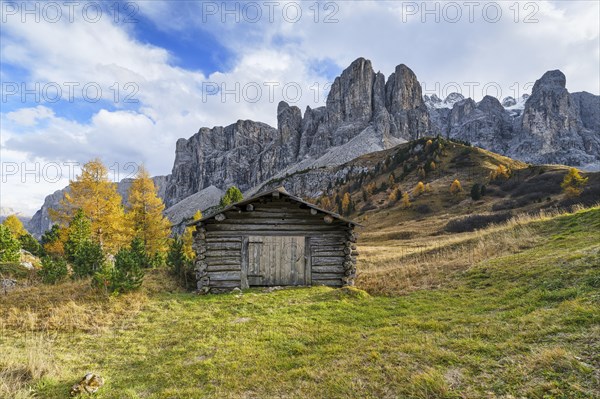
{"x": 70, "y": 306}
{"x": 397, "y": 268}
{"x": 21, "y": 367}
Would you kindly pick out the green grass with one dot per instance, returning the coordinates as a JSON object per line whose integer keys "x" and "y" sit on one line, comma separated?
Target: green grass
{"x": 526, "y": 325}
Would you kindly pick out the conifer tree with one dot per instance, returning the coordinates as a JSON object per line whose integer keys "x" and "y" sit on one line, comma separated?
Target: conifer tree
{"x": 406, "y": 200}
{"x": 79, "y": 233}
{"x": 9, "y": 245}
{"x": 232, "y": 195}
{"x": 15, "y": 226}
{"x": 455, "y": 187}
{"x": 419, "y": 189}
{"x": 145, "y": 214}
{"x": 97, "y": 197}
{"x": 346, "y": 204}
{"x": 573, "y": 183}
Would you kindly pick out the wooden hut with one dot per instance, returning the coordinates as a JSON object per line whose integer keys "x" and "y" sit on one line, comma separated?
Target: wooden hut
{"x": 274, "y": 239}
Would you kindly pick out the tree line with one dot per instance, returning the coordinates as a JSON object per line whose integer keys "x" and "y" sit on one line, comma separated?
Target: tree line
{"x": 94, "y": 234}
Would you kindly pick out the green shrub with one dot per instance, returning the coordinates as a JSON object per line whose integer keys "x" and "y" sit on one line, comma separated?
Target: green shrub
{"x": 9, "y": 246}
{"x": 138, "y": 250}
{"x": 181, "y": 267}
{"x": 53, "y": 270}
{"x": 30, "y": 244}
{"x": 476, "y": 192}
{"x": 125, "y": 275}
{"x": 232, "y": 195}
{"x": 88, "y": 259}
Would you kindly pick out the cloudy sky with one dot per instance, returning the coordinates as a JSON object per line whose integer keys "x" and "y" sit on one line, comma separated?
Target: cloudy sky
{"x": 123, "y": 80}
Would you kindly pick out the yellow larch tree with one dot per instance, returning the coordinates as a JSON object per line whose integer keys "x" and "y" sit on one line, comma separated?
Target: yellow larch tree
{"x": 188, "y": 238}
{"x": 573, "y": 183}
{"x": 419, "y": 189}
{"x": 500, "y": 173}
{"x": 346, "y": 204}
{"x": 145, "y": 214}
{"x": 97, "y": 197}
{"x": 405, "y": 201}
{"x": 14, "y": 224}
{"x": 456, "y": 187}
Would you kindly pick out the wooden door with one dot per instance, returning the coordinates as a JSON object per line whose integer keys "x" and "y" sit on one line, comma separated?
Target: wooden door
{"x": 276, "y": 261}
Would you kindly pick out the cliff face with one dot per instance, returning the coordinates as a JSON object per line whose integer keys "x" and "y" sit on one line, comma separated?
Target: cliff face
{"x": 550, "y": 126}
{"x": 364, "y": 113}
{"x": 360, "y": 103}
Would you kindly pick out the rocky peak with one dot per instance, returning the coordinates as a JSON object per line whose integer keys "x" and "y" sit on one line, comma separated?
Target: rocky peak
{"x": 490, "y": 104}
{"x": 432, "y": 101}
{"x": 551, "y": 79}
{"x": 349, "y": 99}
{"x": 550, "y": 110}
{"x": 508, "y": 102}
{"x": 404, "y": 101}
{"x": 289, "y": 124}
{"x": 452, "y": 99}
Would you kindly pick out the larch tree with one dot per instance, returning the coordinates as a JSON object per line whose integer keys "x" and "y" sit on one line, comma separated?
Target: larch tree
{"x": 455, "y": 187}
{"x": 145, "y": 214}
{"x": 188, "y": 238}
{"x": 406, "y": 201}
{"x": 419, "y": 189}
{"x": 15, "y": 226}
{"x": 347, "y": 205}
{"x": 96, "y": 196}
{"x": 573, "y": 183}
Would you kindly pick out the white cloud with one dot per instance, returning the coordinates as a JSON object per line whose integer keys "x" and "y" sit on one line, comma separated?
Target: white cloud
{"x": 171, "y": 103}
{"x": 30, "y": 116}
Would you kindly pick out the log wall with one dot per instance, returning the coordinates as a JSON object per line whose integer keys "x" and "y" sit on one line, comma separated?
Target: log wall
{"x": 221, "y": 243}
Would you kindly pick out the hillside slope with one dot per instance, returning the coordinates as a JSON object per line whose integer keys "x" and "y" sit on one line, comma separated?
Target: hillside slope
{"x": 520, "y": 320}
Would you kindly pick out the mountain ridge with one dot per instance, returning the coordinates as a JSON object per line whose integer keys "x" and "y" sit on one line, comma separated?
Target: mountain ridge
{"x": 364, "y": 113}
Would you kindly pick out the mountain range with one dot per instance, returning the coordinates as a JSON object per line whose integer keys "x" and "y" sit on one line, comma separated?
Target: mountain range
{"x": 364, "y": 113}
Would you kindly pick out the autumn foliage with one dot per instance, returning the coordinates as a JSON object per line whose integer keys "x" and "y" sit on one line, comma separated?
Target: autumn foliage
{"x": 500, "y": 173}
{"x": 455, "y": 187}
{"x": 573, "y": 183}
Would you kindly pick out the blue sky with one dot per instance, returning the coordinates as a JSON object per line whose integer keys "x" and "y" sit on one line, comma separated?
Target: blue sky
{"x": 164, "y": 54}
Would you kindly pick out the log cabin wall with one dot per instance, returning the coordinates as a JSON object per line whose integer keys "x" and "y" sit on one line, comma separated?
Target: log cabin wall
{"x": 275, "y": 240}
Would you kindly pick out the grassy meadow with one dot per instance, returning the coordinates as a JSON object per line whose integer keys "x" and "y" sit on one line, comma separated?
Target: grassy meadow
{"x": 509, "y": 311}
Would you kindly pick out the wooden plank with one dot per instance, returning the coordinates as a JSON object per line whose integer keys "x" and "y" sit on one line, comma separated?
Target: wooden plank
{"x": 274, "y": 221}
{"x": 328, "y": 269}
{"x": 227, "y": 276}
{"x": 274, "y": 213}
{"x": 229, "y": 260}
{"x": 266, "y": 233}
{"x": 244, "y": 265}
{"x": 220, "y": 268}
{"x": 211, "y": 240}
{"x": 307, "y": 261}
{"x": 332, "y": 253}
{"x": 326, "y": 276}
{"x": 224, "y": 246}
{"x": 271, "y": 227}
{"x": 224, "y": 283}
{"x": 222, "y": 253}
{"x": 325, "y": 261}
